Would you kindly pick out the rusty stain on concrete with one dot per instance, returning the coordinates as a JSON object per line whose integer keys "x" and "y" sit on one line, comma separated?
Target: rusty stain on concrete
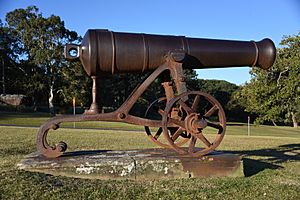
{"x": 135, "y": 164}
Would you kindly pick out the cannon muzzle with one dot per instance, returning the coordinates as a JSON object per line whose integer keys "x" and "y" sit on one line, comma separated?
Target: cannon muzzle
{"x": 104, "y": 51}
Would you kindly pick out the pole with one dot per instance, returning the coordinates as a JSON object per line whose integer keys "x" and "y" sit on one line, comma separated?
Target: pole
{"x": 248, "y": 125}
{"x": 74, "y": 110}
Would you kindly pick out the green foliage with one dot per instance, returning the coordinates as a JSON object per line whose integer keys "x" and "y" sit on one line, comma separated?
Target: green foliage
{"x": 74, "y": 83}
{"x": 114, "y": 89}
{"x": 36, "y": 44}
{"x": 41, "y": 39}
{"x": 222, "y": 91}
{"x": 274, "y": 94}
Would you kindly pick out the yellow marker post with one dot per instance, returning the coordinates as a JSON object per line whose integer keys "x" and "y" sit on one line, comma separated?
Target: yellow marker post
{"x": 74, "y": 109}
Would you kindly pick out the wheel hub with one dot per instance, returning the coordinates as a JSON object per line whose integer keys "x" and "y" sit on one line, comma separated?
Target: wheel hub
{"x": 193, "y": 123}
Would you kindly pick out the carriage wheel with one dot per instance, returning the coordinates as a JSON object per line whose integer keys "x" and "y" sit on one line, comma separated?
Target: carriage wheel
{"x": 155, "y": 111}
{"x": 200, "y": 114}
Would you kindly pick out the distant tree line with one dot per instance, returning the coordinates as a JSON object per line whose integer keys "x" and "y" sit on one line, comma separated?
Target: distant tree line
{"x": 274, "y": 94}
{"x": 32, "y": 64}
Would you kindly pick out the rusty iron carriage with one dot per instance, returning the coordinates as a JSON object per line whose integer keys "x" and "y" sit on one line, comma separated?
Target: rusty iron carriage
{"x": 182, "y": 117}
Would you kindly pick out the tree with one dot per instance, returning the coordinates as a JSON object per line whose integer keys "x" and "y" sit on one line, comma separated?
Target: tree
{"x": 74, "y": 83}
{"x": 40, "y": 42}
{"x": 114, "y": 89}
{"x": 288, "y": 64}
{"x": 274, "y": 94}
{"x": 220, "y": 89}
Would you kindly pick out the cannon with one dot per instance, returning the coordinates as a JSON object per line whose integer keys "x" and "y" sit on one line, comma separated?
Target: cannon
{"x": 192, "y": 123}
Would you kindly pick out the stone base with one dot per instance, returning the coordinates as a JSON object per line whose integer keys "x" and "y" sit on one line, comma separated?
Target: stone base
{"x": 135, "y": 164}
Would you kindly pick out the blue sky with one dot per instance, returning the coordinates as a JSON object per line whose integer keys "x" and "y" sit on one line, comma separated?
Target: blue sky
{"x": 230, "y": 19}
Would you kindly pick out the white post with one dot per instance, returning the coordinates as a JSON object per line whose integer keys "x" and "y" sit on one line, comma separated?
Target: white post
{"x": 74, "y": 110}
{"x": 248, "y": 125}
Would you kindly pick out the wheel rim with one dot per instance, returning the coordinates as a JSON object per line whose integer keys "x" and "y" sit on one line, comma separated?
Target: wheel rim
{"x": 181, "y": 137}
{"x": 200, "y": 112}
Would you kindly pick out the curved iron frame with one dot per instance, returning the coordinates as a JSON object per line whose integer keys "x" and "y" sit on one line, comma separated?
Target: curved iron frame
{"x": 119, "y": 115}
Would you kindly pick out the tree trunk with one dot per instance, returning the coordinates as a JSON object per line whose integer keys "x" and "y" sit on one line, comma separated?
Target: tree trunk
{"x": 51, "y": 106}
{"x": 52, "y": 80}
{"x": 294, "y": 120}
{"x": 274, "y": 123}
{"x": 34, "y": 104}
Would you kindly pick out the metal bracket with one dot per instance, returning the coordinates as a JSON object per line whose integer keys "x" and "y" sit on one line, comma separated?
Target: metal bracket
{"x": 70, "y": 50}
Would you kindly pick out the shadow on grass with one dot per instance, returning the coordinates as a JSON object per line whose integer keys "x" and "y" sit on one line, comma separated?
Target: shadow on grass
{"x": 84, "y": 153}
{"x": 252, "y": 167}
{"x": 268, "y": 158}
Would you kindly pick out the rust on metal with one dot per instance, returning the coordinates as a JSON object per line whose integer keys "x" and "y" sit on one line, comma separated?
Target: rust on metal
{"x": 104, "y": 51}
{"x": 183, "y": 117}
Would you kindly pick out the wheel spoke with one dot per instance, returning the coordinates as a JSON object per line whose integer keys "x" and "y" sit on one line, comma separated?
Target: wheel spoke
{"x": 211, "y": 111}
{"x": 158, "y": 133}
{"x": 216, "y": 126}
{"x": 196, "y": 102}
{"x": 185, "y": 107}
{"x": 203, "y": 139}
{"x": 177, "y": 122}
{"x": 192, "y": 144}
{"x": 177, "y": 133}
{"x": 161, "y": 112}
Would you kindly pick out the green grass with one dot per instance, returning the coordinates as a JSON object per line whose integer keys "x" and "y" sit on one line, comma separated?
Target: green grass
{"x": 37, "y": 119}
{"x": 271, "y": 158}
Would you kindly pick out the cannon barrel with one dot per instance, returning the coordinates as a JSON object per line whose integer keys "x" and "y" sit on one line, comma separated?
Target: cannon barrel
{"x": 104, "y": 51}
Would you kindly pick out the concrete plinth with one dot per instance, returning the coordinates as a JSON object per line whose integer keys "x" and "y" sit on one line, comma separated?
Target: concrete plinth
{"x": 135, "y": 164}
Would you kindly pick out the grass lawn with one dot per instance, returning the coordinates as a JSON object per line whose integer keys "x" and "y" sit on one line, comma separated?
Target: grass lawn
{"x": 39, "y": 118}
{"x": 271, "y": 158}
